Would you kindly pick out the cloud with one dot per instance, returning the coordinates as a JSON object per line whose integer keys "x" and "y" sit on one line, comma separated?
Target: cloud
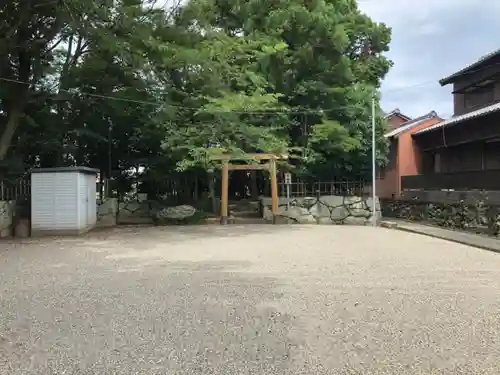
{"x": 430, "y": 40}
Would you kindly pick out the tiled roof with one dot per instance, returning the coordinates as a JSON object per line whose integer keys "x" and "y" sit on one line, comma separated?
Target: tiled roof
{"x": 410, "y": 124}
{"x": 467, "y": 116}
{"x": 476, "y": 64}
{"x": 396, "y": 112}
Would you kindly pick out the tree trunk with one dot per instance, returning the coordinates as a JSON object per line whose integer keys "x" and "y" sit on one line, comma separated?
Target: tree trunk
{"x": 196, "y": 188}
{"x": 267, "y": 187}
{"x": 10, "y": 129}
{"x": 254, "y": 189}
{"x": 211, "y": 189}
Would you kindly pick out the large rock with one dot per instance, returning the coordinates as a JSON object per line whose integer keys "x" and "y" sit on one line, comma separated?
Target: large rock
{"x": 319, "y": 210}
{"x": 351, "y": 220}
{"x": 282, "y": 220}
{"x": 267, "y": 214}
{"x": 307, "y": 202}
{"x": 306, "y": 219}
{"x": 339, "y": 213}
{"x": 332, "y": 200}
{"x": 325, "y": 221}
{"x": 176, "y": 213}
{"x": 299, "y": 215}
{"x": 293, "y": 212}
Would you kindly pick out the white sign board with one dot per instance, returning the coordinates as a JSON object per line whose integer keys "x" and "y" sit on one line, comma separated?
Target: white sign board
{"x": 288, "y": 178}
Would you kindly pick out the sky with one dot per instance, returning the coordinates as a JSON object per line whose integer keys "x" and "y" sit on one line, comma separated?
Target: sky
{"x": 432, "y": 39}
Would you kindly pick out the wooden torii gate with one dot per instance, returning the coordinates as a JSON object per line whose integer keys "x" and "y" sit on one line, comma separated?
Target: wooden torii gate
{"x": 227, "y": 166}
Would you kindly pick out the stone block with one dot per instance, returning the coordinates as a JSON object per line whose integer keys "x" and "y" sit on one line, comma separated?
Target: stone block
{"x": 22, "y": 229}
{"x": 107, "y": 213}
{"x": 388, "y": 224}
{"x": 6, "y": 216}
{"x": 6, "y": 232}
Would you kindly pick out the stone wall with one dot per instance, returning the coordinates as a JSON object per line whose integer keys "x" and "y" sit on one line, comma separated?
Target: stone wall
{"x": 474, "y": 211}
{"x": 135, "y": 212}
{"x": 326, "y": 210}
{"x": 6, "y": 217}
{"x": 154, "y": 212}
{"x": 107, "y": 212}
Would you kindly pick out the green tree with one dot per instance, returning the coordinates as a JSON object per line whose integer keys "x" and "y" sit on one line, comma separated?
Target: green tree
{"x": 121, "y": 84}
{"x": 329, "y": 64}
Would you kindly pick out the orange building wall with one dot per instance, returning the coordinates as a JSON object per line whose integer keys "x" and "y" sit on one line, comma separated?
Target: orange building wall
{"x": 394, "y": 122}
{"x": 386, "y": 184}
{"x": 407, "y": 162}
{"x": 408, "y": 153}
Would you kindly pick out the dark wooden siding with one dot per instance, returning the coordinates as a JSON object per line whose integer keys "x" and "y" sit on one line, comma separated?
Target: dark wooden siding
{"x": 477, "y": 75}
{"x": 468, "y": 166}
{"x": 466, "y": 157}
{"x": 470, "y": 101}
{"x": 473, "y": 130}
{"x": 471, "y": 180}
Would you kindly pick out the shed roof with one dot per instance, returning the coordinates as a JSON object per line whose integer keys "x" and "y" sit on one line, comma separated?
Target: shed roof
{"x": 86, "y": 170}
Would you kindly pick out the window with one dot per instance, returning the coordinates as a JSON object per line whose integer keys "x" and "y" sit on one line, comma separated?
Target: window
{"x": 479, "y": 97}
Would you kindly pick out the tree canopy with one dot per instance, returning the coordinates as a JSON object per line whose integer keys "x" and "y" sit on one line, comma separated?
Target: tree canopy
{"x": 120, "y": 84}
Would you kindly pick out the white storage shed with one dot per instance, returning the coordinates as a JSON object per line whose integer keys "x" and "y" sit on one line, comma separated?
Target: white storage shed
{"x": 63, "y": 200}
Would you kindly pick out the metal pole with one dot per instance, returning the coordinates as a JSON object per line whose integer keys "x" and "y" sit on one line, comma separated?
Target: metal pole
{"x": 108, "y": 180}
{"x": 287, "y": 196}
{"x": 374, "y": 166}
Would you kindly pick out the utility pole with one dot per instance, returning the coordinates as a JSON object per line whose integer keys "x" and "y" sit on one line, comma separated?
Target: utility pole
{"x": 108, "y": 180}
{"x": 374, "y": 166}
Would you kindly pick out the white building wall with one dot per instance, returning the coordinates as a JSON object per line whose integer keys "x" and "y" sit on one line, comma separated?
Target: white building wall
{"x": 92, "y": 200}
{"x": 54, "y": 197}
{"x": 82, "y": 201}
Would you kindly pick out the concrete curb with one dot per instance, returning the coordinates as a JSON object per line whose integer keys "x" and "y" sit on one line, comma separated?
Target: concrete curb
{"x": 389, "y": 224}
{"x": 446, "y": 238}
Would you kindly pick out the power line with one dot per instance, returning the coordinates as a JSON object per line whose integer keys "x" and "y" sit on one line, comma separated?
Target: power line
{"x": 263, "y": 111}
{"x": 409, "y": 87}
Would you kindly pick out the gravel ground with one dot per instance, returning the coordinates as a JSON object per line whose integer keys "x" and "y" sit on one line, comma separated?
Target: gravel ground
{"x": 248, "y": 300}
